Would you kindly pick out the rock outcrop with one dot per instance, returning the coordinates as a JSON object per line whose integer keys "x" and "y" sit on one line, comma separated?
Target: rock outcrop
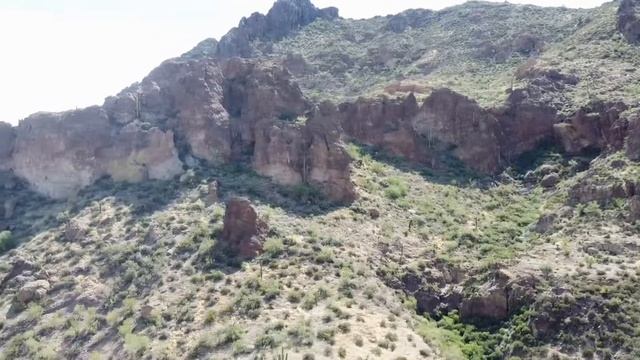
{"x": 7, "y": 141}
{"x": 186, "y": 96}
{"x": 440, "y": 292}
{"x": 58, "y": 154}
{"x": 524, "y": 123}
{"x": 244, "y": 232}
{"x": 472, "y": 133}
{"x": 385, "y": 123}
{"x": 632, "y": 144}
{"x": 629, "y": 20}
{"x": 597, "y": 127}
{"x": 236, "y": 110}
{"x": 284, "y": 17}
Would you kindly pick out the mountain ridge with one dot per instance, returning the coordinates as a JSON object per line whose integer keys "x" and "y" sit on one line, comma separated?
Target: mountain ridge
{"x": 459, "y": 184}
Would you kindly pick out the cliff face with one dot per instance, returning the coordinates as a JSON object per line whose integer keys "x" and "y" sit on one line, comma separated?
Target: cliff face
{"x": 58, "y": 154}
{"x": 217, "y": 112}
{"x": 211, "y": 106}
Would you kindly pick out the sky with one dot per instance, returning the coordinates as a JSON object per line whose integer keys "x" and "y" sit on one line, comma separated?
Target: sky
{"x": 57, "y": 55}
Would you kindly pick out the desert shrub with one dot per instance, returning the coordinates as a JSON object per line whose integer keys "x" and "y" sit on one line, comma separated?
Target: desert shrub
{"x": 227, "y": 335}
{"x": 7, "y": 242}
{"x": 396, "y": 189}
{"x": 273, "y": 247}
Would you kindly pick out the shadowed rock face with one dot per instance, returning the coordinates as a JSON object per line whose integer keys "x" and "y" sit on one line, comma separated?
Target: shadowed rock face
{"x": 7, "y": 141}
{"x": 284, "y": 17}
{"x": 629, "y": 20}
{"x": 598, "y": 126}
{"x": 472, "y": 132}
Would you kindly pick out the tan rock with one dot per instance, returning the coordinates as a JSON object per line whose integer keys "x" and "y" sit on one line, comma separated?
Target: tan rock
{"x": 33, "y": 291}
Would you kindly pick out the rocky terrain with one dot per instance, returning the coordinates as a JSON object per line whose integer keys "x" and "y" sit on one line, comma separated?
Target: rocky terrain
{"x": 455, "y": 184}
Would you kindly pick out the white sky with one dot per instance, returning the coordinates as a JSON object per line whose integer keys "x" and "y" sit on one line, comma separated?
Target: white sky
{"x": 62, "y": 54}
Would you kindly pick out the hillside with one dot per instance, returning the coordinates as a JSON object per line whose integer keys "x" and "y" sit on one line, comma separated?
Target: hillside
{"x": 455, "y": 184}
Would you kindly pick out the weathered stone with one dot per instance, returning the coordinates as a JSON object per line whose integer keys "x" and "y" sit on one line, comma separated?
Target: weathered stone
{"x": 73, "y": 232}
{"x": 629, "y": 20}
{"x": 632, "y": 143}
{"x": 212, "y": 193}
{"x": 58, "y": 154}
{"x": 550, "y": 180}
{"x": 596, "y": 127}
{"x": 9, "y": 208}
{"x": 634, "y": 208}
{"x": 284, "y": 17}
{"x": 19, "y": 266}
{"x": 244, "y": 232}
{"x": 459, "y": 122}
{"x": 33, "y": 291}
{"x": 499, "y": 298}
{"x": 546, "y": 223}
{"x": 147, "y": 313}
{"x": 385, "y": 123}
{"x": 7, "y": 142}
{"x": 588, "y": 191}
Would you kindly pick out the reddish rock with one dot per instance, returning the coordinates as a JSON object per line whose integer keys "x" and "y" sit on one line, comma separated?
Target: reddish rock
{"x": 187, "y": 96}
{"x": 598, "y": 126}
{"x": 329, "y": 165}
{"x": 243, "y": 232}
{"x": 524, "y": 123}
{"x": 455, "y": 120}
{"x": 385, "y": 123}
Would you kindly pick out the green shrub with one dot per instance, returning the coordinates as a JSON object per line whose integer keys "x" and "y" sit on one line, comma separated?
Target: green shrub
{"x": 7, "y": 242}
{"x": 228, "y": 335}
{"x": 396, "y": 189}
{"x": 273, "y": 247}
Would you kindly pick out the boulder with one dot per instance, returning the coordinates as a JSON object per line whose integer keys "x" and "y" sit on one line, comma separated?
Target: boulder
{"x": 546, "y": 223}
{"x": 603, "y": 193}
{"x": 19, "y": 266}
{"x": 33, "y": 291}
{"x": 629, "y": 20}
{"x": 243, "y": 232}
{"x": 550, "y": 181}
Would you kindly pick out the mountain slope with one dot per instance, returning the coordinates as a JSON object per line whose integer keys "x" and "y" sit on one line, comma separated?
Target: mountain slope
{"x": 459, "y": 184}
